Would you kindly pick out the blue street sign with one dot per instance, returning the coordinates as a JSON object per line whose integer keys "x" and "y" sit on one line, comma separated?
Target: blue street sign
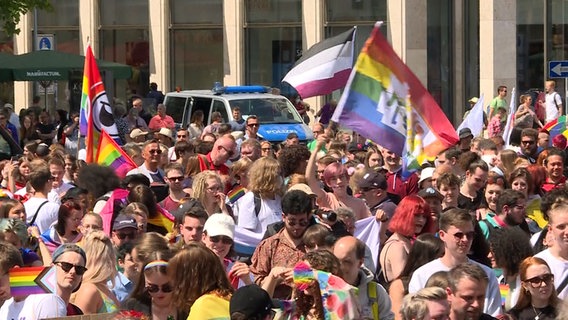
{"x": 558, "y": 69}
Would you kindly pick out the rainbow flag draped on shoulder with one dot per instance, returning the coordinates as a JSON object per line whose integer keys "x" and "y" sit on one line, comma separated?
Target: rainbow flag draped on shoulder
{"x": 111, "y": 155}
{"x": 375, "y": 105}
{"x": 96, "y": 112}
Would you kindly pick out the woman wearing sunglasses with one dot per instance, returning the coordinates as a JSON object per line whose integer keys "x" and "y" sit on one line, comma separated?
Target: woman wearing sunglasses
{"x": 218, "y": 235}
{"x": 153, "y": 292}
{"x": 94, "y": 296}
{"x": 537, "y": 299}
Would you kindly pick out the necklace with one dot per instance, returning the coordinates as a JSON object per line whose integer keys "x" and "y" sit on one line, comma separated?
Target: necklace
{"x": 537, "y": 315}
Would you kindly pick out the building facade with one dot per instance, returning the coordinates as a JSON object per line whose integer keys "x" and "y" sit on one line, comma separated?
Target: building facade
{"x": 457, "y": 48}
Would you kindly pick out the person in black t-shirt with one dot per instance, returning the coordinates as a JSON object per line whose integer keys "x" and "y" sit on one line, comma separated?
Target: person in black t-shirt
{"x": 45, "y": 129}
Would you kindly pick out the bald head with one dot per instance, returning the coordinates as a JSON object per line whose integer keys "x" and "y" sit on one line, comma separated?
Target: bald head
{"x": 223, "y": 149}
{"x": 351, "y": 253}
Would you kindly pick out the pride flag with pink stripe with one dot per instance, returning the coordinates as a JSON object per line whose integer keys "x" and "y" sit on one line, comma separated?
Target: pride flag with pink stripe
{"x": 110, "y": 154}
{"x": 374, "y": 103}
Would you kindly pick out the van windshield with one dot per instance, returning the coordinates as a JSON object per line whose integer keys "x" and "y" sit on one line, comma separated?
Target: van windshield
{"x": 268, "y": 110}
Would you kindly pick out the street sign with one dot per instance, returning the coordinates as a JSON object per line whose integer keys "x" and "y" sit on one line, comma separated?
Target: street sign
{"x": 44, "y": 42}
{"x": 558, "y": 69}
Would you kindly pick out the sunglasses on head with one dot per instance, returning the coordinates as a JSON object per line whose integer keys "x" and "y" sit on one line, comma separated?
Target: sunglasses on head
{"x": 223, "y": 239}
{"x": 66, "y": 266}
{"x": 153, "y": 288}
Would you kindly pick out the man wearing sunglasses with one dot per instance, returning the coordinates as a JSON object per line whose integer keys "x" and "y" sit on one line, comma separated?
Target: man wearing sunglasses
{"x": 174, "y": 179}
{"x": 124, "y": 229}
{"x": 69, "y": 261}
{"x": 275, "y": 257}
{"x": 152, "y": 155}
{"x": 457, "y": 232}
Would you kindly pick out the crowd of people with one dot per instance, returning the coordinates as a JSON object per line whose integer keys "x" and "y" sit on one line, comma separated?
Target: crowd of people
{"x": 480, "y": 232}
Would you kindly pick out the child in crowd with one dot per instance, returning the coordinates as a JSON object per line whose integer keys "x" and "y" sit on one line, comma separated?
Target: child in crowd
{"x": 497, "y": 123}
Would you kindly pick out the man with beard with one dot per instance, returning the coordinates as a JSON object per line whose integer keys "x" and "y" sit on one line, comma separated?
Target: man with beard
{"x": 393, "y": 169}
{"x": 275, "y": 257}
{"x": 510, "y": 212}
{"x": 529, "y": 148}
{"x": 457, "y": 232}
{"x": 466, "y": 292}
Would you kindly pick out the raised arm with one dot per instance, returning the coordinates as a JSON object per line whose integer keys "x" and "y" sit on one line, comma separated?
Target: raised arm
{"x": 311, "y": 168}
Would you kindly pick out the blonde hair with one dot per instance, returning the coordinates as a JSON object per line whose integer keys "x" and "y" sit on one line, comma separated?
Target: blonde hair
{"x": 101, "y": 259}
{"x": 414, "y": 305}
{"x": 240, "y": 167}
{"x": 136, "y": 209}
{"x": 200, "y": 183}
{"x": 265, "y": 179}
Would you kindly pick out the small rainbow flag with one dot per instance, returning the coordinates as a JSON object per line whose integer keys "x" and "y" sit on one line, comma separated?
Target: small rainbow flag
{"x": 236, "y": 193}
{"x": 30, "y": 280}
{"x": 110, "y": 154}
{"x": 504, "y": 292}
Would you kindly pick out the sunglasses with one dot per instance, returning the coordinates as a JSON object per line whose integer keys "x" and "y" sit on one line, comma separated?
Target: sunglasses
{"x": 123, "y": 235}
{"x": 155, "y": 151}
{"x": 180, "y": 178}
{"x": 181, "y": 136}
{"x": 252, "y": 125}
{"x": 302, "y": 223}
{"x": 223, "y": 239}
{"x": 229, "y": 152}
{"x": 66, "y": 266}
{"x": 538, "y": 280}
{"x": 461, "y": 235}
{"x": 153, "y": 288}
{"x": 527, "y": 142}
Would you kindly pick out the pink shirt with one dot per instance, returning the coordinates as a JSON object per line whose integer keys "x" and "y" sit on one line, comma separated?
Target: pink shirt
{"x": 157, "y": 122}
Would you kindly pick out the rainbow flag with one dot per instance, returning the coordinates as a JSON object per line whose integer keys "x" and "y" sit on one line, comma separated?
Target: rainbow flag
{"x": 236, "y": 194}
{"x": 163, "y": 219}
{"x": 375, "y": 100}
{"x": 556, "y": 127}
{"x": 111, "y": 155}
{"x": 31, "y": 280}
{"x": 96, "y": 113}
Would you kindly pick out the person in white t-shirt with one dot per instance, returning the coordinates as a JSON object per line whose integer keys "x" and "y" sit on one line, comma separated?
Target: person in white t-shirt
{"x": 457, "y": 232}
{"x": 30, "y": 307}
{"x": 557, "y": 253}
{"x": 553, "y": 101}
{"x": 58, "y": 187}
{"x": 39, "y": 210}
{"x": 265, "y": 183}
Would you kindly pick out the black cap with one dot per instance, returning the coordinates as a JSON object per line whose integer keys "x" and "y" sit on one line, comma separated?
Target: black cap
{"x": 373, "y": 180}
{"x": 430, "y": 193}
{"x": 465, "y": 133}
{"x": 124, "y": 221}
{"x": 355, "y": 147}
{"x": 251, "y": 301}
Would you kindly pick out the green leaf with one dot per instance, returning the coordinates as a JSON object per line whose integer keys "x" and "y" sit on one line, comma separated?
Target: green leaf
{"x": 12, "y": 10}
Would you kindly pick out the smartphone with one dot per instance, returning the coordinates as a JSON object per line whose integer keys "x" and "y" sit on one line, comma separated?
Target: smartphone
{"x": 15, "y": 159}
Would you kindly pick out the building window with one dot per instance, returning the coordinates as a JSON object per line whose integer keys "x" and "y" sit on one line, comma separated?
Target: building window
{"x": 63, "y": 24}
{"x": 471, "y": 54}
{"x": 124, "y": 38}
{"x": 440, "y": 54}
{"x": 196, "y": 43}
{"x": 273, "y": 38}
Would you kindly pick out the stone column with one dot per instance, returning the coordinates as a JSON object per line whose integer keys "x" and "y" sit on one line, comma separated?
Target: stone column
{"x": 312, "y": 33}
{"x": 407, "y": 28}
{"x": 23, "y": 43}
{"x": 160, "y": 44}
{"x": 234, "y": 42}
{"x": 89, "y": 25}
{"x": 497, "y": 46}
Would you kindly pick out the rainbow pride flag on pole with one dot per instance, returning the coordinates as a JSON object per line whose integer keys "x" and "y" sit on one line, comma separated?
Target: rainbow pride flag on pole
{"x": 111, "y": 155}
{"x": 374, "y": 103}
{"x": 96, "y": 112}
{"x": 556, "y": 127}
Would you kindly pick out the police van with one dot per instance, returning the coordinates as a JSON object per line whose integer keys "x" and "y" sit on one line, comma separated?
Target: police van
{"x": 276, "y": 114}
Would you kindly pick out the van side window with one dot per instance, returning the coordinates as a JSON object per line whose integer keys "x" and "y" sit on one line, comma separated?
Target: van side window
{"x": 175, "y": 107}
{"x": 203, "y": 104}
{"x": 219, "y": 106}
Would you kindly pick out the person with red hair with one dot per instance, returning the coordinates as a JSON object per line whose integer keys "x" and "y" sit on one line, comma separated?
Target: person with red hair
{"x": 411, "y": 218}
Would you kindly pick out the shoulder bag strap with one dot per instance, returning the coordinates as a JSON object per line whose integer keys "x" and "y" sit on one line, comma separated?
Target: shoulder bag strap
{"x": 562, "y": 284}
{"x": 35, "y": 215}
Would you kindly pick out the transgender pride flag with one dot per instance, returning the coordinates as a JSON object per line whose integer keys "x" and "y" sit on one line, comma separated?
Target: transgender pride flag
{"x": 374, "y": 103}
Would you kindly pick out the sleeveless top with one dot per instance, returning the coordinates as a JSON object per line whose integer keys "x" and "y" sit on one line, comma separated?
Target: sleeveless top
{"x": 108, "y": 304}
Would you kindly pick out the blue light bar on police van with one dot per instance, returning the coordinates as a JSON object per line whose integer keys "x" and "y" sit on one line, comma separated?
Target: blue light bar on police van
{"x": 217, "y": 89}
